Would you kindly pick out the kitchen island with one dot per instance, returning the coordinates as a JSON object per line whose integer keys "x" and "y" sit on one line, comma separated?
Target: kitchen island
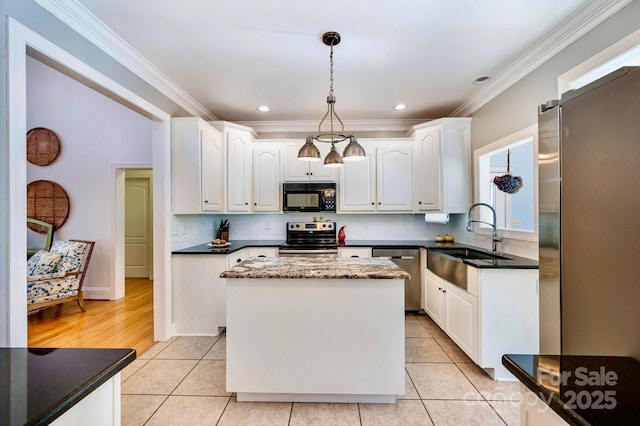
{"x": 315, "y": 330}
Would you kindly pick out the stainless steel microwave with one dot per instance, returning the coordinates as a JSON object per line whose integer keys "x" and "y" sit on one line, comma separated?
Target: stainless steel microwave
{"x": 309, "y": 197}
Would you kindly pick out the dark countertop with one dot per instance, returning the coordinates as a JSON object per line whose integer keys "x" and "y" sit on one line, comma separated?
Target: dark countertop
{"x": 38, "y": 385}
{"x": 579, "y": 399}
{"x": 236, "y": 245}
{"x": 514, "y": 262}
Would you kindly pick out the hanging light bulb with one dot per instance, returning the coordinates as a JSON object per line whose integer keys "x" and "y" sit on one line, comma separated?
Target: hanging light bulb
{"x": 353, "y": 150}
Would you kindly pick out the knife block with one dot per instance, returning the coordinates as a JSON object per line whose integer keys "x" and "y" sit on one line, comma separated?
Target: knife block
{"x": 224, "y": 235}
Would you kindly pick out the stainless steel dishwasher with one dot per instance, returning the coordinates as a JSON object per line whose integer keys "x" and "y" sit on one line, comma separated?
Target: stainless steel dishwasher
{"x": 409, "y": 260}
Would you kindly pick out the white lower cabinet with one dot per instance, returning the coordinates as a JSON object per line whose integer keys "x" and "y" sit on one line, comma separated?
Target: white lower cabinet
{"x": 461, "y": 318}
{"x": 497, "y": 315}
{"x": 199, "y": 295}
{"x": 434, "y": 297}
{"x": 348, "y": 252}
{"x": 454, "y": 310}
{"x": 534, "y": 412}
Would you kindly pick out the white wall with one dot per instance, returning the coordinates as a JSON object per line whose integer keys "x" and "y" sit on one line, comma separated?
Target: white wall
{"x": 95, "y": 133}
{"x": 191, "y": 230}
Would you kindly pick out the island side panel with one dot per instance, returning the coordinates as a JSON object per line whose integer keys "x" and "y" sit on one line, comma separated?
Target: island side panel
{"x": 315, "y": 336}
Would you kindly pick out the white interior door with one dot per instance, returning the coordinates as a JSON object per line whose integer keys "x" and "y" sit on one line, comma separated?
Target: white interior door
{"x": 137, "y": 240}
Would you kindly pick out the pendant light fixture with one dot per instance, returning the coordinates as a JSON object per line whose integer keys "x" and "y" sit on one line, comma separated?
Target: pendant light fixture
{"x": 353, "y": 150}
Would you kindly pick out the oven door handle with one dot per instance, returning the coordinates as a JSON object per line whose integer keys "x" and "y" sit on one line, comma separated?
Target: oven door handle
{"x": 318, "y": 251}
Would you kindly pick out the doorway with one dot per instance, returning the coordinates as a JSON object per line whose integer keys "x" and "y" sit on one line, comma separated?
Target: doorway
{"x": 138, "y": 224}
{"x": 22, "y": 41}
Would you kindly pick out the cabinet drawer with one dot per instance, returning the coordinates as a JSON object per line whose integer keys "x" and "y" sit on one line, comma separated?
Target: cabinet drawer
{"x": 347, "y": 252}
{"x": 263, "y": 252}
{"x": 237, "y": 257}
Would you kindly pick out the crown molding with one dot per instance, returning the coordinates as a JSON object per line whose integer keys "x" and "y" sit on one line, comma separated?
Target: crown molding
{"x": 81, "y": 20}
{"x": 575, "y": 26}
{"x": 389, "y": 125}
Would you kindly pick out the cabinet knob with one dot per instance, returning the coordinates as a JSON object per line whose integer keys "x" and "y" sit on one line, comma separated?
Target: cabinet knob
{"x": 355, "y": 255}
{"x": 373, "y": 204}
{"x": 239, "y": 260}
{"x": 444, "y": 291}
{"x": 439, "y": 288}
{"x": 206, "y": 201}
{"x": 419, "y": 202}
{"x": 379, "y": 202}
{"x": 255, "y": 204}
{"x": 307, "y": 173}
{"x": 311, "y": 173}
{"x": 246, "y": 204}
{"x": 262, "y": 255}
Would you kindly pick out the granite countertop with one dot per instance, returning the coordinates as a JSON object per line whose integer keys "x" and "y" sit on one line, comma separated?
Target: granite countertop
{"x": 38, "y": 385}
{"x": 583, "y": 390}
{"x": 316, "y": 267}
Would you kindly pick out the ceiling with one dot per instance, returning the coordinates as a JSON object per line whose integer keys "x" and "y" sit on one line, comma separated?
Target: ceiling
{"x": 233, "y": 56}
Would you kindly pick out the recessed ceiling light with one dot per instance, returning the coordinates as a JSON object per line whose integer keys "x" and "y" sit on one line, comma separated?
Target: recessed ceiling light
{"x": 263, "y": 108}
{"x": 481, "y": 80}
{"x": 400, "y": 107}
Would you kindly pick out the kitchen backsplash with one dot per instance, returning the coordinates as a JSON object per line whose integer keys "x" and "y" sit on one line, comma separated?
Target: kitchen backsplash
{"x": 190, "y": 230}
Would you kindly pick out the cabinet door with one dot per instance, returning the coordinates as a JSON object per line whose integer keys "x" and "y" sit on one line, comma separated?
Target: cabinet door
{"x": 433, "y": 304}
{"x": 212, "y": 170}
{"x": 394, "y": 190}
{"x": 357, "y": 185}
{"x": 317, "y": 170}
{"x": 238, "y": 170}
{"x": 461, "y": 319}
{"x": 266, "y": 179}
{"x": 295, "y": 170}
{"x": 428, "y": 170}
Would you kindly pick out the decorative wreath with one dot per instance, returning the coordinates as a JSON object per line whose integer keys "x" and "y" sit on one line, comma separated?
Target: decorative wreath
{"x": 507, "y": 182}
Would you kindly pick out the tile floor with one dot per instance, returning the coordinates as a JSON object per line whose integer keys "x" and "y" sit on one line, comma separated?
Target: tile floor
{"x": 182, "y": 382}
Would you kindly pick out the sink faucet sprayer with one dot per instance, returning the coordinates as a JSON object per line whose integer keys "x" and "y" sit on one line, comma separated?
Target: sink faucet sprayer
{"x": 495, "y": 238}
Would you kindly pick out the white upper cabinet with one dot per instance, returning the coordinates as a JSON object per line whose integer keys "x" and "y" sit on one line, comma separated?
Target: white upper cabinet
{"x": 443, "y": 166}
{"x": 212, "y": 171}
{"x": 266, "y": 178}
{"x": 238, "y": 147}
{"x": 197, "y": 167}
{"x": 383, "y": 181}
{"x": 394, "y": 177}
{"x": 357, "y": 190}
{"x": 296, "y": 170}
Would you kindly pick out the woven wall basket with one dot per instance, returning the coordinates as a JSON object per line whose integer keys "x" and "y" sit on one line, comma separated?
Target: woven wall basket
{"x": 43, "y": 146}
{"x": 47, "y": 201}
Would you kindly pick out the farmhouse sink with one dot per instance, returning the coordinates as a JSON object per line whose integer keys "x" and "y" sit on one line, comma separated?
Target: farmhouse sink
{"x": 468, "y": 253}
{"x": 448, "y": 263}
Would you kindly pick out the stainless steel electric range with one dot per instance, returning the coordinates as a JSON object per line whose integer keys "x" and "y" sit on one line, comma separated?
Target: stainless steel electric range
{"x": 310, "y": 239}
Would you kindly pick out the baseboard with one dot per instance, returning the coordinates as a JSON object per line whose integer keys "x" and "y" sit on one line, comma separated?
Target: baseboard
{"x": 96, "y": 293}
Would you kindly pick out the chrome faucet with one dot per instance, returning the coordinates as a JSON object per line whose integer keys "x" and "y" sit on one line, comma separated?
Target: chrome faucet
{"x": 495, "y": 238}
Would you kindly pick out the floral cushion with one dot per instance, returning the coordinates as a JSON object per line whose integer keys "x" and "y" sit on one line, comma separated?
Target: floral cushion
{"x": 43, "y": 291}
{"x": 43, "y": 263}
{"x": 71, "y": 252}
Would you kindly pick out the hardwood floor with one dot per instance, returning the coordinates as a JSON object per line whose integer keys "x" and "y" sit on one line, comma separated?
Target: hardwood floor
{"x": 124, "y": 323}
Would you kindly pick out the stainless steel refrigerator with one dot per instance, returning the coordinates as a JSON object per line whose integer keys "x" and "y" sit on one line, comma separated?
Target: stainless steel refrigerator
{"x": 589, "y": 207}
